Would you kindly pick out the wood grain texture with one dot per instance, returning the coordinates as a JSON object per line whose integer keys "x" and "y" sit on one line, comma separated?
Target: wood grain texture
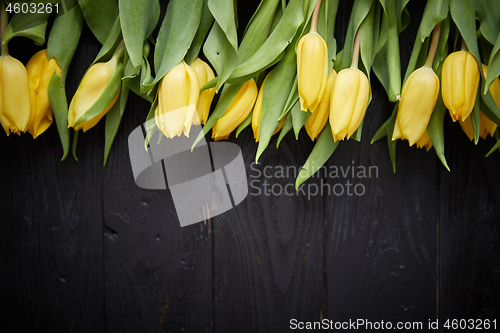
{"x": 83, "y": 249}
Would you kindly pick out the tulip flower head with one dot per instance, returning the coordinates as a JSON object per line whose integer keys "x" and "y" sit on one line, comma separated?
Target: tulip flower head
{"x": 312, "y": 70}
{"x": 204, "y": 74}
{"x": 14, "y": 96}
{"x": 40, "y": 70}
{"x": 348, "y": 102}
{"x": 97, "y": 93}
{"x": 460, "y": 81}
{"x": 237, "y": 111}
{"x": 418, "y": 98}
{"x": 177, "y": 99}
{"x": 319, "y": 117}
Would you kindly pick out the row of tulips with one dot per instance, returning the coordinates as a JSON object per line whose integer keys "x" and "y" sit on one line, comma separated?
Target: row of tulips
{"x": 284, "y": 74}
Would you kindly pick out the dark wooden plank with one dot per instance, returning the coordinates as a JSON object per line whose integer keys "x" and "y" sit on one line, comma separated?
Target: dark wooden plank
{"x": 51, "y": 239}
{"x": 469, "y": 229}
{"x": 269, "y": 249}
{"x": 380, "y": 246}
{"x": 159, "y": 276}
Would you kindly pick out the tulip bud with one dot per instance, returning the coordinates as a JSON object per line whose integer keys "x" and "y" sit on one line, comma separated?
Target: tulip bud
{"x": 312, "y": 70}
{"x": 177, "y": 98}
{"x": 97, "y": 93}
{"x": 348, "y": 102}
{"x": 204, "y": 74}
{"x": 460, "y": 81}
{"x": 237, "y": 111}
{"x": 318, "y": 119}
{"x": 418, "y": 98}
{"x": 40, "y": 70}
{"x": 14, "y": 96}
{"x": 425, "y": 141}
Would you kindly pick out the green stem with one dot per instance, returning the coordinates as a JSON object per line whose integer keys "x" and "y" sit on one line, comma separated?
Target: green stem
{"x": 3, "y": 27}
{"x": 355, "y": 51}
{"x": 314, "y": 20}
{"x": 434, "y": 44}
{"x": 463, "y": 46}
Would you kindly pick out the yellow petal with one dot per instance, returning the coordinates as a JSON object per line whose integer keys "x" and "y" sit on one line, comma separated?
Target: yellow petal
{"x": 237, "y": 111}
{"x": 15, "y": 94}
{"x": 418, "y": 99}
{"x": 349, "y": 99}
{"x": 319, "y": 117}
{"x": 460, "y": 81}
{"x": 467, "y": 128}
{"x": 204, "y": 74}
{"x": 312, "y": 70}
{"x": 257, "y": 111}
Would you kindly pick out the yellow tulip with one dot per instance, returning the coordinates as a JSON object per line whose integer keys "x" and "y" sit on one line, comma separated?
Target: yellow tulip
{"x": 237, "y": 111}
{"x": 177, "y": 98}
{"x": 425, "y": 141}
{"x": 312, "y": 70}
{"x": 204, "y": 74}
{"x": 460, "y": 80}
{"x": 348, "y": 102}
{"x": 40, "y": 70}
{"x": 418, "y": 98}
{"x": 318, "y": 119}
{"x": 91, "y": 90}
{"x": 14, "y": 96}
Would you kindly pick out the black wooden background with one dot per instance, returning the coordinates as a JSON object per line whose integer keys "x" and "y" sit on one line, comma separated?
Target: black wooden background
{"x": 83, "y": 249}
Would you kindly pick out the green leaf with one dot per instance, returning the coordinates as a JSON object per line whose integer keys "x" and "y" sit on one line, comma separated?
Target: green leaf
{"x": 63, "y": 41}
{"x": 206, "y": 21}
{"x": 435, "y": 12}
{"x": 293, "y": 97}
{"x": 391, "y": 144}
{"x": 280, "y": 80}
{"x": 59, "y": 104}
{"x": 257, "y": 29}
{"x": 99, "y": 16}
{"x": 360, "y": 10}
{"x": 220, "y": 53}
{"x": 138, "y": 19}
{"x": 223, "y": 13}
{"x": 113, "y": 119}
{"x": 299, "y": 118}
{"x": 323, "y": 149}
{"x": 488, "y": 105}
{"x": 464, "y": 15}
{"x": 476, "y": 120}
{"x": 75, "y": 144}
{"x": 109, "y": 46}
{"x": 436, "y": 132}
{"x": 285, "y": 129}
{"x": 175, "y": 37}
{"x": 275, "y": 44}
{"x": 247, "y": 122}
{"x": 493, "y": 65}
{"x": 488, "y": 14}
